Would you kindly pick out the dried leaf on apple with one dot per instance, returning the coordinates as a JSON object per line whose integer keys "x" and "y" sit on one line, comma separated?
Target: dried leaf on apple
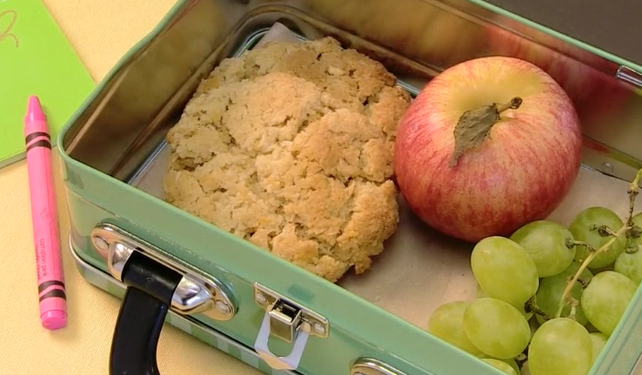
{"x": 474, "y": 127}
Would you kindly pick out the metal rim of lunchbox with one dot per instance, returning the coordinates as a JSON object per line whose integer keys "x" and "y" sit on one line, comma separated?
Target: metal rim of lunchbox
{"x": 154, "y": 286}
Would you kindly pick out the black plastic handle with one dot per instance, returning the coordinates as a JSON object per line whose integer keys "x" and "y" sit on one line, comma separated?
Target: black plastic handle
{"x": 150, "y": 287}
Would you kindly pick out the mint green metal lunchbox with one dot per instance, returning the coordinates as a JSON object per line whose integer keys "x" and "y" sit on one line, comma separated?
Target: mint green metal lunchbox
{"x": 170, "y": 266}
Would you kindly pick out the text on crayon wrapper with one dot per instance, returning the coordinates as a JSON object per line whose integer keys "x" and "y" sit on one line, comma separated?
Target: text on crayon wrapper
{"x": 41, "y": 258}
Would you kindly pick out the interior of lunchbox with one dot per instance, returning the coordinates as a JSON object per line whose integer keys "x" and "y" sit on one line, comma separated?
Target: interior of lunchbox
{"x": 420, "y": 268}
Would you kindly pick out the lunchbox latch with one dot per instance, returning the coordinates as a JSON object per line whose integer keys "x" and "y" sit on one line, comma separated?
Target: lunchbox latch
{"x": 289, "y": 322}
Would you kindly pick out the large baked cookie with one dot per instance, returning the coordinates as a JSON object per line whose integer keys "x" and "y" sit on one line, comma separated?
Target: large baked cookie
{"x": 290, "y": 146}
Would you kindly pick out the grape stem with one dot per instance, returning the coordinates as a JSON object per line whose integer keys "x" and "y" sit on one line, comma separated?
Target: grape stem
{"x": 583, "y": 282}
{"x": 531, "y": 306}
{"x": 629, "y": 229}
{"x": 583, "y": 267}
{"x": 574, "y": 304}
{"x": 633, "y": 193}
{"x": 572, "y": 243}
{"x": 605, "y": 231}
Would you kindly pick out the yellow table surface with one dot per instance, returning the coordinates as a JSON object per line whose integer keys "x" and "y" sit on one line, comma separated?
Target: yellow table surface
{"x": 101, "y": 31}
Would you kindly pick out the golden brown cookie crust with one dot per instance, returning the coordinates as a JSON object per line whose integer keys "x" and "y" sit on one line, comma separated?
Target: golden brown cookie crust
{"x": 290, "y": 146}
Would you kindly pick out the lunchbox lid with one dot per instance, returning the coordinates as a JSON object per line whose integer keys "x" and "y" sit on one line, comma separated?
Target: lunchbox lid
{"x": 606, "y": 28}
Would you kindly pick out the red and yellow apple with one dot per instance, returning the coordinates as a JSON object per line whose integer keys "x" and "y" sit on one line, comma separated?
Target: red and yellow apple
{"x": 509, "y": 160}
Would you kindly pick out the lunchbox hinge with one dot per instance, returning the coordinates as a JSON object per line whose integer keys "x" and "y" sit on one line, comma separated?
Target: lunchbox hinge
{"x": 287, "y": 321}
{"x": 195, "y": 293}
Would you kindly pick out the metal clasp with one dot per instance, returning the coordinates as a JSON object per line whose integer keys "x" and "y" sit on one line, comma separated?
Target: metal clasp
{"x": 289, "y": 322}
{"x": 196, "y": 293}
{"x": 629, "y": 75}
{"x": 370, "y": 366}
{"x": 284, "y": 320}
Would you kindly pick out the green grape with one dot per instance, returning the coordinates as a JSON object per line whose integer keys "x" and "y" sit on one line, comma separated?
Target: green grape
{"x": 560, "y": 346}
{"x": 551, "y": 289}
{"x": 534, "y": 324}
{"x": 497, "y": 328}
{"x": 504, "y": 270}
{"x": 521, "y": 308}
{"x": 525, "y": 369}
{"x": 447, "y": 323}
{"x": 500, "y": 365}
{"x": 630, "y": 265}
{"x": 511, "y": 362}
{"x": 599, "y": 340}
{"x": 581, "y": 229}
{"x": 606, "y": 298}
{"x": 546, "y": 242}
{"x": 540, "y": 320}
{"x": 572, "y": 269}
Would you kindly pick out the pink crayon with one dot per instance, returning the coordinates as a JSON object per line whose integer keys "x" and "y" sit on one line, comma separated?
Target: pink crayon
{"x": 51, "y": 284}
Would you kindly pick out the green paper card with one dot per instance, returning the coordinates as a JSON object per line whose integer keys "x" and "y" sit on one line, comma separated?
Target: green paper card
{"x": 35, "y": 59}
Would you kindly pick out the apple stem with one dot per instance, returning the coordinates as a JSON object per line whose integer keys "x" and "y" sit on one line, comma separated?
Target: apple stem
{"x": 514, "y": 103}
